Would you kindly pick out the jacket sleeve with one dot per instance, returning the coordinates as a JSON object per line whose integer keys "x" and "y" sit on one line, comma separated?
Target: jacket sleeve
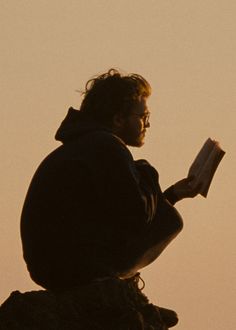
{"x": 170, "y": 195}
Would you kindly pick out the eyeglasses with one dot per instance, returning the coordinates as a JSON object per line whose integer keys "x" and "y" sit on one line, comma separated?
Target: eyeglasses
{"x": 144, "y": 117}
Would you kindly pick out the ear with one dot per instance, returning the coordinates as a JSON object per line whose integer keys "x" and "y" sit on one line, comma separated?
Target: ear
{"x": 118, "y": 120}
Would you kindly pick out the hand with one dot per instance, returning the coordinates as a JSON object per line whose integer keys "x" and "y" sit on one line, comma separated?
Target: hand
{"x": 186, "y": 189}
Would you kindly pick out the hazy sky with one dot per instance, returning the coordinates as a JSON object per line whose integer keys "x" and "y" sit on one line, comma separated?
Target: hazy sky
{"x": 186, "y": 50}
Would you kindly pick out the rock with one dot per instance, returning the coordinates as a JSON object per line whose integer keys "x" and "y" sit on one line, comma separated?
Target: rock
{"x": 110, "y": 304}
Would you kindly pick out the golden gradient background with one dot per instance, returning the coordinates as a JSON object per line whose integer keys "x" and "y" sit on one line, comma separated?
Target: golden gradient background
{"x": 186, "y": 50}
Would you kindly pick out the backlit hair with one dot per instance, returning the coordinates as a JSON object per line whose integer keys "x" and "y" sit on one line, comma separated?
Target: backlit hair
{"x": 111, "y": 93}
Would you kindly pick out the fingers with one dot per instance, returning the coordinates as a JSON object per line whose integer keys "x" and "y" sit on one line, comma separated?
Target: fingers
{"x": 187, "y": 188}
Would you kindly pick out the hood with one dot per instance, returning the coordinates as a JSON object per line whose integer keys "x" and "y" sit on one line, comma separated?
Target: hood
{"x": 76, "y": 124}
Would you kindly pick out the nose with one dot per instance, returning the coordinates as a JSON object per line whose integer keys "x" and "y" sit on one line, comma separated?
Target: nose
{"x": 146, "y": 120}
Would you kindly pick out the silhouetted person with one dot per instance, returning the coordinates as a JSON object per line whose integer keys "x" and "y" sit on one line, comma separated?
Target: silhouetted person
{"x": 91, "y": 212}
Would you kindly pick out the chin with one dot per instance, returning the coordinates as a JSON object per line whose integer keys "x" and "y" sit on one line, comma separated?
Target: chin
{"x": 137, "y": 144}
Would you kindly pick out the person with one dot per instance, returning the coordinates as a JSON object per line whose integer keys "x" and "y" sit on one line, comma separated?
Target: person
{"x": 92, "y": 213}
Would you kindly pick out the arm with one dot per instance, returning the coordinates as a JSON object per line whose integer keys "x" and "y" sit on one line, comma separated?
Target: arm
{"x": 140, "y": 217}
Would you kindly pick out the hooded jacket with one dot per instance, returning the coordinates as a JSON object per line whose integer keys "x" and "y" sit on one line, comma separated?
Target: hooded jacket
{"x": 91, "y": 211}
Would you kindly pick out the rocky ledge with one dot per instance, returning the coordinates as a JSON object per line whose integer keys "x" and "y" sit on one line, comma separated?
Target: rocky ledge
{"x": 106, "y": 305}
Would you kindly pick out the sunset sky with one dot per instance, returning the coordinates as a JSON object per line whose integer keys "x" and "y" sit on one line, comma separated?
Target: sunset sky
{"x": 186, "y": 49}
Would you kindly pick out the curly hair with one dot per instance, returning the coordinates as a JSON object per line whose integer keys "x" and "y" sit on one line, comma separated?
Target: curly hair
{"x": 111, "y": 93}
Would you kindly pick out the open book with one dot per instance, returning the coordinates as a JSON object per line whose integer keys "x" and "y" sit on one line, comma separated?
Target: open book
{"x": 205, "y": 164}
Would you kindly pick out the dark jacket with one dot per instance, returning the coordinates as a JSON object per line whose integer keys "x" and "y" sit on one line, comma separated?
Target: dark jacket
{"x": 92, "y": 211}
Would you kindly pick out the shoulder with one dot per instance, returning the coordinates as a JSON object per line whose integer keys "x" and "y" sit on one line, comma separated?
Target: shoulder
{"x": 106, "y": 142}
{"x": 106, "y": 137}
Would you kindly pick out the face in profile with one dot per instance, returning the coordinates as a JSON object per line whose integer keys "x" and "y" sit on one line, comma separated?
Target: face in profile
{"x": 132, "y": 128}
